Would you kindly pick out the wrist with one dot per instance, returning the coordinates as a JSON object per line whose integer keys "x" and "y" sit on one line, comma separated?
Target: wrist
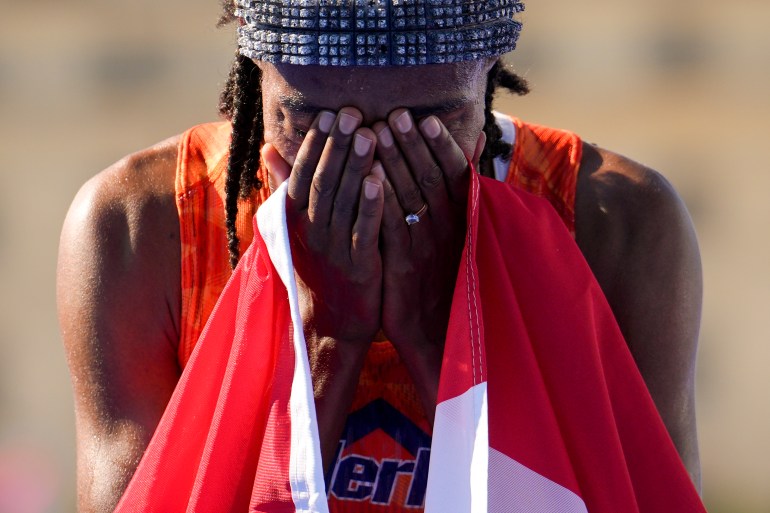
{"x": 335, "y": 366}
{"x": 423, "y": 359}
{"x": 334, "y": 355}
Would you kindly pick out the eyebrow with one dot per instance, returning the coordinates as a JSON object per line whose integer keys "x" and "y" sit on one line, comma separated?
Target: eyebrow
{"x": 450, "y": 105}
{"x": 296, "y": 103}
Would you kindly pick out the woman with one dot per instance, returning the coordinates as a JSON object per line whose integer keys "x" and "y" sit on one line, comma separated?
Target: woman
{"x": 376, "y": 149}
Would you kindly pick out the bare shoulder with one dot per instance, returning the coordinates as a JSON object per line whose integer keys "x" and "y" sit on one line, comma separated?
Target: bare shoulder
{"x": 127, "y": 210}
{"x": 119, "y": 302}
{"x": 625, "y": 197}
{"x": 123, "y": 222}
{"x": 638, "y": 237}
{"x": 627, "y": 213}
{"x": 136, "y": 180}
{"x": 639, "y": 240}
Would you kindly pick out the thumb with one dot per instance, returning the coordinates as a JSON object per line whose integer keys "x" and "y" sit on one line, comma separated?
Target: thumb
{"x": 278, "y": 170}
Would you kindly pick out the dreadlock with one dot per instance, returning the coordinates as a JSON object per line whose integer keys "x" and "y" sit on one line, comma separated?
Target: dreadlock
{"x": 241, "y": 102}
{"x": 498, "y": 76}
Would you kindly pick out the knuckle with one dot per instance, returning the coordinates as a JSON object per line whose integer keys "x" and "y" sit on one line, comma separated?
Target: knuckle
{"x": 356, "y": 166}
{"x": 410, "y": 141}
{"x": 303, "y": 170}
{"x": 391, "y": 158}
{"x": 363, "y": 240}
{"x": 338, "y": 144}
{"x": 369, "y": 210}
{"x": 410, "y": 196}
{"x": 433, "y": 177}
{"x": 343, "y": 206}
{"x": 323, "y": 185}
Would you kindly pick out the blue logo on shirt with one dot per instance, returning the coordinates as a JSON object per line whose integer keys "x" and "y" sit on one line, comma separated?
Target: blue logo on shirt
{"x": 362, "y": 478}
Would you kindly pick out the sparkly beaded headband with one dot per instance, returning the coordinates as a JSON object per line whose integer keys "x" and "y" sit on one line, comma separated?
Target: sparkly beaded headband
{"x": 376, "y": 32}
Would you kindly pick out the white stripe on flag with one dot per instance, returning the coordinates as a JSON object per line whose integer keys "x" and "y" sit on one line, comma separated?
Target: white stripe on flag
{"x": 457, "y": 479}
{"x": 305, "y": 467}
{"x": 514, "y": 488}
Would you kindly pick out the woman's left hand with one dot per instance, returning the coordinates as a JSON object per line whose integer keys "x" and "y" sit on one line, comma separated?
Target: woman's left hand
{"x": 427, "y": 175}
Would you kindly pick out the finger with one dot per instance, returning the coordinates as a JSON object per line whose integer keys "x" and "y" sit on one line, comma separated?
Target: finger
{"x": 357, "y": 166}
{"x": 394, "y": 230}
{"x": 331, "y": 164}
{"x": 366, "y": 230}
{"x": 278, "y": 170}
{"x": 307, "y": 159}
{"x": 427, "y": 171}
{"x": 449, "y": 155}
{"x": 400, "y": 177}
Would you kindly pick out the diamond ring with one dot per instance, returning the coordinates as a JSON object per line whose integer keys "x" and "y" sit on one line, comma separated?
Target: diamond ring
{"x": 415, "y": 217}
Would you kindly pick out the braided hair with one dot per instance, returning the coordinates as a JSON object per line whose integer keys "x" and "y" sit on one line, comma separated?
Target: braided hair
{"x": 240, "y": 102}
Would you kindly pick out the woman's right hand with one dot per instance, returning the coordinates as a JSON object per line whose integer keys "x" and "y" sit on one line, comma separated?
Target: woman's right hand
{"x": 334, "y": 209}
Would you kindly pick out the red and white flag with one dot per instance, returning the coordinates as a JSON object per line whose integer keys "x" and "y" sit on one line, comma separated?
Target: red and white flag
{"x": 541, "y": 408}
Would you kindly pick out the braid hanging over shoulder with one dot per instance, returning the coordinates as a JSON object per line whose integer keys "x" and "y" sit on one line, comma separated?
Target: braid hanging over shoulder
{"x": 241, "y": 102}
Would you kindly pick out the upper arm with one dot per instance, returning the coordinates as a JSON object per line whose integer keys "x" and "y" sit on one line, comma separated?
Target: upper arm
{"x": 118, "y": 300}
{"x": 638, "y": 238}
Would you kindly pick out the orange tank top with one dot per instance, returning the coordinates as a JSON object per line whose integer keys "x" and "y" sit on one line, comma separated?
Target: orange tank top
{"x": 382, "y": 458}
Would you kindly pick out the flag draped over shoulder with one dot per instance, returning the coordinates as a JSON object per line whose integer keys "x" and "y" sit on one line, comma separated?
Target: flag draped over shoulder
{"x": 541, "y": 408}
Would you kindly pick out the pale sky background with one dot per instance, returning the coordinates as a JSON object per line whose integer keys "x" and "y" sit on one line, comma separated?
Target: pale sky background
{"x": 683, "y": 87}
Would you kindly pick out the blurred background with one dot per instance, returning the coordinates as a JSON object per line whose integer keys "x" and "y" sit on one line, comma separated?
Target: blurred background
{"x": 682, "y": 86}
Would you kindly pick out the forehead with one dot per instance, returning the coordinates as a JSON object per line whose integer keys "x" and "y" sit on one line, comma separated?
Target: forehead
{"x": 375, "y": 91}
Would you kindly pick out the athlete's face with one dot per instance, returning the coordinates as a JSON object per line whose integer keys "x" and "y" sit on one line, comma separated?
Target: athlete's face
{"x": 293, "y": 95}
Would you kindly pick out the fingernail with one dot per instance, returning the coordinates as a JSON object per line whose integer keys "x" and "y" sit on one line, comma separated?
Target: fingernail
{"x": 348, "y": 123}
{"x": 404, "y": 122}
{"x": 361, "y": 145}
{"x": 430, "y": 127}
{"x": 371, "y": 189}
{"x": 378, "y": 170}
{"x": 326, "y": 121}
{"x": 385, "y": 137}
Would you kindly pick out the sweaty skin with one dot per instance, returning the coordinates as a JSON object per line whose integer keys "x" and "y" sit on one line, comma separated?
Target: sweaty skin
{"x": 118, "y": 276}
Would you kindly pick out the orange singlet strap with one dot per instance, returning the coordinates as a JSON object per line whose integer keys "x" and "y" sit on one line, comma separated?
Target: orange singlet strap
{"x": 545, "y": 162}
{"x": 200, "y": 200}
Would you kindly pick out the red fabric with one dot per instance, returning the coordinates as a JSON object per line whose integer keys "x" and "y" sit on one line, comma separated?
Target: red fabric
{"x": 565, "y": 396}
{"x": 464, "y": 362}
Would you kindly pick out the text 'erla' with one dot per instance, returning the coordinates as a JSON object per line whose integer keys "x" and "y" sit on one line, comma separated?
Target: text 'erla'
{"x": 360, "y": 478}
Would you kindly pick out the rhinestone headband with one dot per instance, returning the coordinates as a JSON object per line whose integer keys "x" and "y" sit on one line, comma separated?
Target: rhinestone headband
{"x": 376, "y": 32}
